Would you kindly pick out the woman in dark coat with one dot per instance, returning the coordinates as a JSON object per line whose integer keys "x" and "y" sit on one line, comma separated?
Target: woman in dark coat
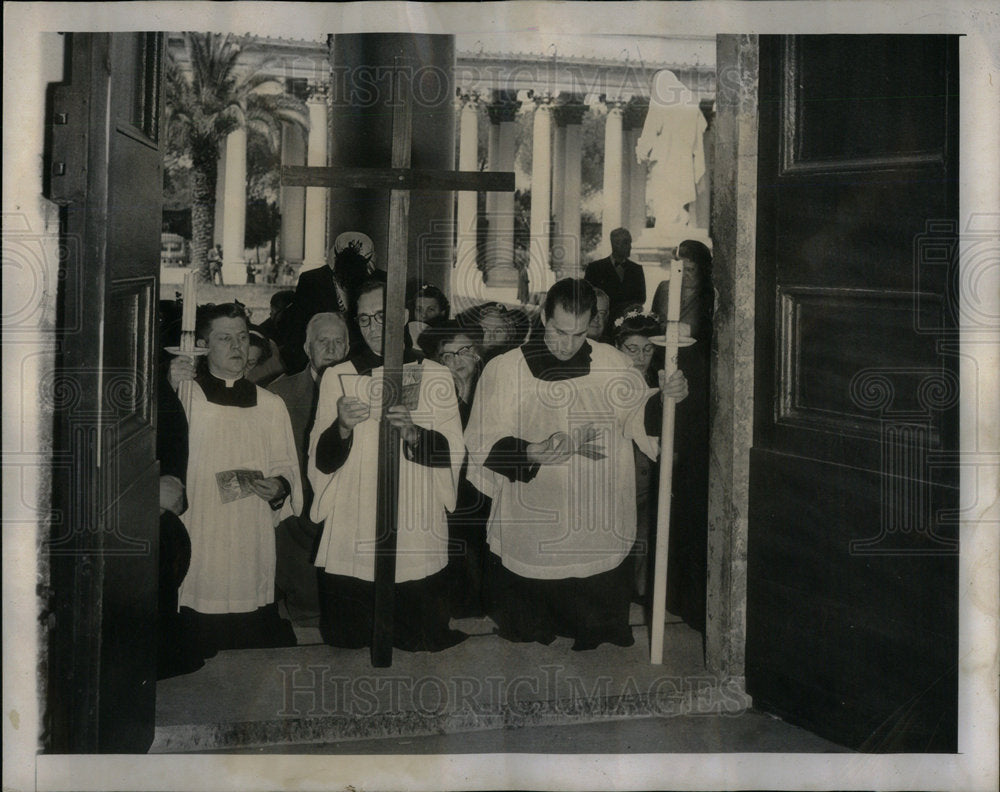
{"x": 688, "y": 552}
{"x": 460, "y": 350}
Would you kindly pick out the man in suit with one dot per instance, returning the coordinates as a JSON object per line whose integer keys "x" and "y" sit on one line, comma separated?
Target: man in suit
{"x": 295, "y": 576}
{"x": 617, "y": 275}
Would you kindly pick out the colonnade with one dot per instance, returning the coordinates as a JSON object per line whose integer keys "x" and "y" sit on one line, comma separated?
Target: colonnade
{"x": 556, "y": 187}
{"x": 303, "y": 209}
{"x": 556, "y": 190}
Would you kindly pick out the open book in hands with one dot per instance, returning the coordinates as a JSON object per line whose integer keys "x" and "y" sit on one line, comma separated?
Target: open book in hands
{"x": 369, "y": 389}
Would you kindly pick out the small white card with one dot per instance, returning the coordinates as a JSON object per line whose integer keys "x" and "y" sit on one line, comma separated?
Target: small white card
{"x": 235, "y": 484}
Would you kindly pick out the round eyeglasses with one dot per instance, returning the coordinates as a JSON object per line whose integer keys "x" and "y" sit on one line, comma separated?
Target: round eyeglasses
{"x": 465, "y": 352}
{"x": 364, "y": 320}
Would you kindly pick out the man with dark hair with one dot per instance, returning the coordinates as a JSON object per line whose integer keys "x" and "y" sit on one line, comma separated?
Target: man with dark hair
{"x": 343, "y": 471}
{"x": 550, "y": 441}
{"x": 280, "y": 328}
{"x": 295, "y": 577}
{"x": 620, "y": 277}
{"x": 242, "y": 478}
{"x": 598, "y": 328}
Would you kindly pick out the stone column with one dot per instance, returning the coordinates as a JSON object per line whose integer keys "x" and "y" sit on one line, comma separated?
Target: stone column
{"x": 558, "y": 179}
{"x": 612, "y": 217}
{"x": 500, "y": 241}
{"x": 734, "y": 221}
{"x": 234, "y": 215}
{"x": 539, "y": 269}
{"x": 220, "y": 195}
{"x": 314, "y": 248}
{"x": 466, "y": 278}
{"x": 293, "y": 199}
{"x": 570, "y": 117}
{"x": 635, "y": 220}
{"x": 492, "y": 157}
{"x": 627, "y": 149}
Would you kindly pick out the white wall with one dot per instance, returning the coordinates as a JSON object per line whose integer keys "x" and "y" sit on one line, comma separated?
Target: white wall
{"x": 30, "y": 268}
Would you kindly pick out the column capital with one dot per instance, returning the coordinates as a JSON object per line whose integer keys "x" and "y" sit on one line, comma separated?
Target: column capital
{"x": 317, "y": 92}
{"x": 614, "y": 105}
{"x": 467, "y": 99}
{"x": 542, "y": 99}
{"x": 503, "y": 107}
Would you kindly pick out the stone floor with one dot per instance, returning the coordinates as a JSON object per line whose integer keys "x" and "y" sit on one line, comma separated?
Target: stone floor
{"x": 484, "y": 695}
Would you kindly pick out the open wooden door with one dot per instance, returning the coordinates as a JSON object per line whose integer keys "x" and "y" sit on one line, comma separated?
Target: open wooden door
{"x": 104, "y": 167}
{"x": 852, "y": 616}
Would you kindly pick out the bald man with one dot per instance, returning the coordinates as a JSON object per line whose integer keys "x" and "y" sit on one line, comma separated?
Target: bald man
{"x": 326, "y": 344}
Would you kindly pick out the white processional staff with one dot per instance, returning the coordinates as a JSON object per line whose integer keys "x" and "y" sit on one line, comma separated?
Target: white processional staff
{"x": 671, "y": 342}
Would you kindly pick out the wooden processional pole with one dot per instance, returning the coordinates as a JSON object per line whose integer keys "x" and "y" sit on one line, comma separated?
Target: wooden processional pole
{"x": 666, "y": 468}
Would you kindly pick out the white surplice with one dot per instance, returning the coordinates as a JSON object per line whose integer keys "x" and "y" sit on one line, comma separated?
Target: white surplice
{"x": 232, "y": 544}
{"x": 574, "y": 519}
{"x": 345, "y": 500}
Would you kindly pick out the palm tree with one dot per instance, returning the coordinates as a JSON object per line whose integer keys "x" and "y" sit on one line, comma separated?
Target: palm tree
{"x": 204, "y": 104}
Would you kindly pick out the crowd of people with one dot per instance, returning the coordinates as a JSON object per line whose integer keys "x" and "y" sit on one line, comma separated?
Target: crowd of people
{"x": 527, "y": 471}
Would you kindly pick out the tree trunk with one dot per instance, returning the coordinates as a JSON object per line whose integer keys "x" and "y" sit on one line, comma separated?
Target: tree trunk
{"x": 204, "y": 173}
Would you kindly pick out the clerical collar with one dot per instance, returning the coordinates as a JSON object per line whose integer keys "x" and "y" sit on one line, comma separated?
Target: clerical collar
{"x": 242, "y": 392}
{"x": 366, "y": 360}
{"x": 546, "y": 366}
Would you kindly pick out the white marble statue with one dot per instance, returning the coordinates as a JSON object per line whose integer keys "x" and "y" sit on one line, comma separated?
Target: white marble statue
{"x": 671, "y": 144}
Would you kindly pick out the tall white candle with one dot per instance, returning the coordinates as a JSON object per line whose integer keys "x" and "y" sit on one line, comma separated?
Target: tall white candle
{"x": 190, "y": 301}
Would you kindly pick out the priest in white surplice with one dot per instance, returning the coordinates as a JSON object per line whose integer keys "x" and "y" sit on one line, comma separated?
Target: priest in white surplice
{"x": 343, "y": 471}
{"x": 550, "y": 441}
{"x": 242, "y": 479}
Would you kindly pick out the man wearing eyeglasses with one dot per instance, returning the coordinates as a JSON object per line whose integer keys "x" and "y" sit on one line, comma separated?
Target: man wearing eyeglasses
{"x": 343, "y": 471}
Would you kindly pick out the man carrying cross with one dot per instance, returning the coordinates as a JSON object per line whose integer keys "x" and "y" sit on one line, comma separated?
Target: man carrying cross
{"x": 343, "y": 470}
{"x": 398, "y": 180}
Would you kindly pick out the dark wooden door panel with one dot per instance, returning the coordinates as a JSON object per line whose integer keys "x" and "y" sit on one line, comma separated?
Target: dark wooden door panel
{"x": 102, "y": 662}
{"x": 129, "y": 617}
{"x": 880, "y": 706}
{"x": 851, "y": 628}
{"x": 852, "y": 570}
{"x": 856, "y": 102}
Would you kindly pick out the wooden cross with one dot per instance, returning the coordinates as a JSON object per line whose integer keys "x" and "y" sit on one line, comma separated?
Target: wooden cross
{"x": 400, "y": 179}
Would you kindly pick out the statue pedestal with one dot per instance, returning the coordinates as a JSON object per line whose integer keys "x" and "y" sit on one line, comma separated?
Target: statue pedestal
{"x": 655, "y": 249}
{"x": 499, "y": 284}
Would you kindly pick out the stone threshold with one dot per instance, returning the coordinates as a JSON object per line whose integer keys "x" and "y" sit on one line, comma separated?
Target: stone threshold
{"x": 317, "y": 694}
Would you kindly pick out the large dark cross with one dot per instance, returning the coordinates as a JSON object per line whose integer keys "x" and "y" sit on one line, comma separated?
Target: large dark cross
{"x": 400, "y": 179}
